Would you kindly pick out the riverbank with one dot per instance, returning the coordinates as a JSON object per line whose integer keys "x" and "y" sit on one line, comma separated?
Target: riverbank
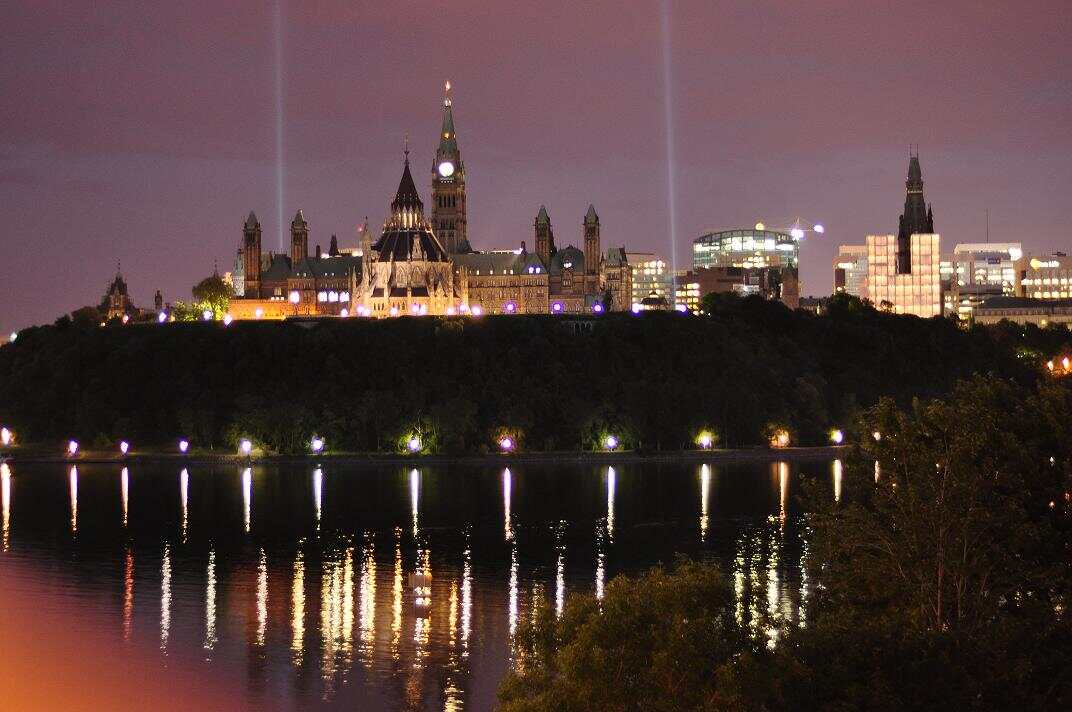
{"x": 717, "y": 456}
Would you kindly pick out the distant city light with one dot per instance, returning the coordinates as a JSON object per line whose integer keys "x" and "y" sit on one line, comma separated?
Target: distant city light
{"x": 124, "y": 446}
{"x": 227, "y": 319}
{"x": 506, "y": 444}
{"x": 836, "y": 436}
{"x": 415, "y": 308}
{"x": 344, "y": 313}
{"x": 1015, "y": 253}
{"x": 557, "y": 307}
{"x": 295, "y": 297}
{"x": 126, "y": 318}
{"x": 451, "y": 311}
{"x": 477, "y": 310}
{"x": 705, "y": 439}
{"x": 796, "y": 233}
{"x": 760, "y": 226}
{"x": 14, "y": 335}
{"x": 246, "y": 447}
{"x": 207, "y": 315}
{"x": 1064, "y": 363}
{"x": 161, "y": 317}
{"x": 683, "y": 308}
{"x": 876, "y": 435}
{"x": 1049, "y": 365}
{"x": 316, "y": 444}
{"x": 72, "y": 447}
{"x": 510, "y": 307}
{"x": 819, "y": 229}
{"x": 6, "y": 436}
{"x": 414, "y": 444}
{"x": 597, "y": 308}
{"x": 258, "y": 313}
{"x": 610, "y": 442}
{"x": 636, "y": 308}
{"x": 780, "y": 438}
{"x": 184, "y": 445}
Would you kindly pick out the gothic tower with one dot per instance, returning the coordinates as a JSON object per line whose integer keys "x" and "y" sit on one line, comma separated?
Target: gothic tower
{"x": 591, "y": 241}
{"x": 299, "y": 239}
{"x": 545, "y": 237}
{"x": 917, "y": 219}
{"x": 448, "y": 187}
{"x": 251, "y": 251}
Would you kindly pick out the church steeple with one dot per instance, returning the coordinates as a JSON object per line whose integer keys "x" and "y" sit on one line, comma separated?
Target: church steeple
{"x": 448, "y": 185}
{"x": 917, "y": 218}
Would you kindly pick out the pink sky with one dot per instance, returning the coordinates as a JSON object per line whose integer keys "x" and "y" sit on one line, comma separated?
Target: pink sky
{"x": 147, "y": 131}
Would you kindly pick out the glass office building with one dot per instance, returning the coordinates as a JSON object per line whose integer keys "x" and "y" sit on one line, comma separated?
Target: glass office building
{"x": 750, "y": 249}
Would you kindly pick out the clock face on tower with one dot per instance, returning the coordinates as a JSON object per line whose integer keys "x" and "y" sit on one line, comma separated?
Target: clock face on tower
{"x": 446, "y": 169}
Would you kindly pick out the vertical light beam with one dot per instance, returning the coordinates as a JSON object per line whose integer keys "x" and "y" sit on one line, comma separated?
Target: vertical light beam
{"x": 671, "y": 190}
{"x": 279, "y": 120}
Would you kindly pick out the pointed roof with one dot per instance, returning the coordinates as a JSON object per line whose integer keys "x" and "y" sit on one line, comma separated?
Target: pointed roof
{"x": 333, "y": 248}
{"x": 590, "y": 216}
{"x": 448, "y": 140}
{"x": 251, "y": 221}
{"x": 542, "y": 217}
{"x": 915, "y": 175}
{"x": 407, "y": 195}
{"x": 299, "y": 220}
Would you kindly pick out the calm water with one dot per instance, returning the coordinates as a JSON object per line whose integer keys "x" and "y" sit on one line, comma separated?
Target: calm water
{"x": 293, "y": 584}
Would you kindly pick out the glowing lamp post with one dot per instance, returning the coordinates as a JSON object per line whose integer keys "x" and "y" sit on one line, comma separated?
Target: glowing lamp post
{"x": 556, "y": 308}
{"x": 506, "y": 444}
{"x": 1049, "y": 365}
{"x": 246, "y": 447}
{"x": 161, "y": 317}
{"x": 836, "y": 436}
{"x": 6, "y": 437}
{"x": 184, "y": 445}
{"x": 316, "y": 444}
{"x": 394, "y": 311}
{"x": 705, "y": 440}
{"x": 295, "y": 297}
{"x": 72, "y": 448}
{"x": 510, "y": 307}
{"x": 876, "y": 435}
{"x": 1064, "y": 363}
{"x": 14, "y": 335}
{"x": 414, "y": 444}
{"x": 597, "y": 308}
{"x": 227, "y": 319}
{"x": 683, "y": 308}
{"x": 415, "y": 308}
{"x": 610, "y": 443}
{"x": 124, "y": 447}
{"x": 636, "y": 308}
{"x": 477, "y": 310}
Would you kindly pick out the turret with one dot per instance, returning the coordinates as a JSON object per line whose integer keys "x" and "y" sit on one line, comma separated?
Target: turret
{"x": 449, "y": 221}
{"x": 591, "y": 241}
{"x": 251, "y": 251}
{"x": 299, "y": 239}
{"x": 917, "y": 218}
{"x": 545, "y": 237}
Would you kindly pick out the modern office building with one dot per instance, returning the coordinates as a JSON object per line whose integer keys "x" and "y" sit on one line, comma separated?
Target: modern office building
{"x": 1044, "y": 277}
{"x": 651, "y": 273}
{"x": 750, "y": 249}
{"x": 850, "y": 271}
{"x": 976, "y": 272}
{"x": 1024, "y": 310}
{"x": 903, "y": 270}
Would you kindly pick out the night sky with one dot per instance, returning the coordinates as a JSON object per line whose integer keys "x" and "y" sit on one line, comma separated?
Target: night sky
{"x": 147, "y": 131}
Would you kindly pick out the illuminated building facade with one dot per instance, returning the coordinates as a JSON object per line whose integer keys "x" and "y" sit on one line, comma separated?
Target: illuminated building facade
{"x": 745, "y": 248}
{"x": 850, "y": 271}
{"x": 976, "y": 272}
{"x": 1024, "y": 310}
{"x": 650, "y": 273}
{"x": 449, "y": 219}
{"x": 1044, "y": 277}
{"x": 903, "y": 270}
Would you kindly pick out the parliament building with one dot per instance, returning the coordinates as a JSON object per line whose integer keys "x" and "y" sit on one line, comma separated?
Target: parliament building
{"x": 425, "y": 265}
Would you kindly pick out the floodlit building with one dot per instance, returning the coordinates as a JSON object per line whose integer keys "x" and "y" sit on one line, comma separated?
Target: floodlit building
{"x": 752, "y": 248}
{"x": 850, "y": 271}
{"x": 976, "y": 272}
{"x": 1024, "y": 310}
{"x": 650, "y": 273}
{"x": 903, "y": 270}
{"x": 1044, "y": 277}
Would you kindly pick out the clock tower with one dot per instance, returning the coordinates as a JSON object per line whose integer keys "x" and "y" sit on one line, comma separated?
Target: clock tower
{"x": 448, "y": 187}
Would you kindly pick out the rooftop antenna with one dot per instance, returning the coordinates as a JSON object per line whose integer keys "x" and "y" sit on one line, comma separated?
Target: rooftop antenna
{"x": 988, "y": 226}
{"x": 405, "y": 146}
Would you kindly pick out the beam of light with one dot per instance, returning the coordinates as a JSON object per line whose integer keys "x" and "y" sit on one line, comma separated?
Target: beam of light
{"x": 837, "y": 480}
{"x": 705, "y": 501}
{"x": 318, "y": 494}
{"x": 210, "y": 601}
{"x": 262, "y": 598}
{"x": 247, "y": 496}
{"x": 128, "y": 593}
{"x": 124, "y": 492}
{"x": 184, "y": 499}
{"x": 279, "y": 121}
{"x": 612, "y": 478}
{"x": 5, "y": 496}
{"x": 297, "y": 610}
{"x": 671, "y": 190}
{"x": 73, "y": 477}
{"x": 508, "y": 529}
{"x": 165, "y": 597}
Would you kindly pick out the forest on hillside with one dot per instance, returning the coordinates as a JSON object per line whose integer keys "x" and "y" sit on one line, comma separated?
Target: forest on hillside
{"x": 551, "y": 383}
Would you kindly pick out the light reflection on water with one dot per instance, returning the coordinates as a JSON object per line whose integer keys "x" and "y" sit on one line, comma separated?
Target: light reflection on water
{"x": 318, "y": 587}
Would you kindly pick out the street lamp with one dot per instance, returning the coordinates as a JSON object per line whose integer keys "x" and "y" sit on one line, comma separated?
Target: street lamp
{"x": 184, "y": 445}
{"x": 316, "y": 444}
{"x": 414, "y": 444}
{"x": 506, "y": 444}
{"x": 610, "y": 442}
{"x": 124, "y": 446}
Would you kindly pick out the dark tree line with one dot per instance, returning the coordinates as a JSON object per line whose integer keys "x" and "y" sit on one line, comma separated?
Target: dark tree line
{"x": 653, "y": 380}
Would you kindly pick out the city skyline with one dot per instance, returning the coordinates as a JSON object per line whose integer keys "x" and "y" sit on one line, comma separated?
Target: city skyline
{"x": 152, "y": 144}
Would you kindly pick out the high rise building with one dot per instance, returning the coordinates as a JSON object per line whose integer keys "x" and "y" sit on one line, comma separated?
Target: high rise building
{"x": 978, "y": 271}
{"x": 752, "y": 248}
{"x": 903, "y": 270}
{"x": 1044, "y": 277}
{"x": 850, "y": 271}
{"x": 651, "y": 273}
{"x": 449, "y": 219}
